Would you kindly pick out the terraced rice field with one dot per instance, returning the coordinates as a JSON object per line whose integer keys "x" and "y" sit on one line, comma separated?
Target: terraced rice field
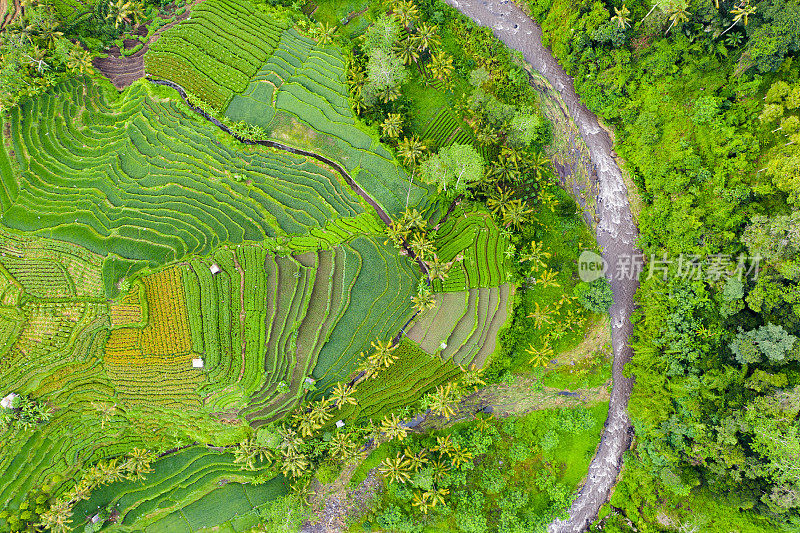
{"x": 134, "y": 179}
{"x": 463, "y": 326}
{"x": 215, "y": 52}
{"x": 474, "y": 235}
{"x": 414, "y": 374}
{"x": 191, "y": 489}
{"x": 445, "y": 129}
{"x": 301, "y": 97}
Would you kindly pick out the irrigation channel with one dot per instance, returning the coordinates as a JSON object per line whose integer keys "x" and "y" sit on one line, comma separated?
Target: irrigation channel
{"x": 616, "y": 234}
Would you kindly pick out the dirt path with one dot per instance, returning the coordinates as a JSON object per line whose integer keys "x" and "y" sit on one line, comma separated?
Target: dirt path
{"x": 616, "y": 234}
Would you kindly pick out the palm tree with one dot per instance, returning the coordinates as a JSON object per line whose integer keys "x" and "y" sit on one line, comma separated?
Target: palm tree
{"x": 444, "y": 445}
{"x": 407, "y": 50}
{"x": 440, "y": 469}
{"x": 741, "y": 12}
{"x": 57, "y": 519}
{"x": 307, "y": 423}
{"x": 396, "y": 469}
{"x": 111, "y": 471}
{"x": 482, "y": 425}
{"x": 294, "y": 464}
{"x": 138, "y": 463}
{"x": 369, "y": 366}
{"x": 384, "y": 353}
{"x": 540, "y": 316}
{"x": 536, "y": 256}
{"x": 124, "y": 11}
{"x": 680, "y": 16}
{"x": 504, "y": 170}
{"x": 356, "y": 78}
{"x": 422, "y": 501}
{"x": 246, "y": 452}
{"x": 538, "y": 164}
{"x": 515, "y": 212}
{"x": 497, "y": 200}
{"x": 548, "y": 279}
{"x": 437, "y": 269}
{"x": 441, "y": 65}
{"x": 621, "y": 17}
{"x": 392, "y": 126}
{"x": 471, "y": 378}
{"x": 81, "y": 491}
{"x": 460, "y": 456}
{"x": 442, "y": 401}
{"x": 290, "y": 440}
{"x": 320, "y": 412}
{"x": 342, "y": 394}
{"x": 426, "y": 36}
{"x": 406, "y": 12}
{"x": 342, "y": 447}
{"x": 410, "y": 150}
{"x": 392, "y": 426}
{"x": 422, "y": 246}
{"x": 541, "y": 356}
{"x": 413, "y": 219}
{"x": 416, "y": 460}
{"x": 423, "y": 301}
{"x": 437, "y": 496}
{"x": 323, "y": 32}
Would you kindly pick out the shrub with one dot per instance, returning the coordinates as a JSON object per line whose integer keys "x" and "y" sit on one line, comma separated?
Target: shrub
{"x": 595, "y": 296}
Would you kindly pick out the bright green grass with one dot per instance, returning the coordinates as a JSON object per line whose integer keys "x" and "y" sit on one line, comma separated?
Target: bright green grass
{"x": 122, "y": 175}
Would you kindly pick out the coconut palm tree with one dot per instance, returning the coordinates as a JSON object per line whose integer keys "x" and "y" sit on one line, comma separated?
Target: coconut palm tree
{"x": 57, "y": 519}
{"x": 342, "y": 446}
{"x": 342, "y": 394}
{"x": 441, "y": 65}
{"x": 124, "y": 11}
{"x": 392, "y": 126}
{"x": 406, "y": 12}
{"x": 392, "y": 426}
{"x": 290, "y": 440}
{"x": 81, "y": 491}
{"x": 740, "y": 12}
{"x": 410, "y": 150}
{"x": 540, "y": 316}
{"x": 423, "y": 301}
{"x": 442, "y": 402}
{"x": 548, "y": 279}
{"x": 437, "y": 269}
{"x": 356, "y": 78}
{"x": 541, "y": 356}
{"x": 384, "y": 353}
{"x": 246, "y": 453}
{"x": 427, "y": 36}
{"x": 621, "y": 17}
{"x": 323, "y": 33}
{"x": 320, "y": 412}
{"x": 413, "y": 219}
{"x": 440, "y": 468}
{"x": 416, "y": 460}
{"x": 482, "y": 424}
{"x": 680, "y": 16}
{"x": 538, "y": 163}
{"x": 498, "y": 199}
{"x": 536, "y": 256}
{"x": 306, "y": 423}
{"x": 471, "y": 378}
{"x": 138, "y": 463}
{"x": 460, "y": 456}
{"x": 111, "y": 471}
{"x": 504, "y": 170}
{"x": 422, "y": 246}
{"x": 369, "y": 366}
{"x": 422, "y": 501}
{"x": 294, "y": 464}
{"x": 396, "y": 469}
{"x": 515, "y": 213}
{"x": 407, "y": 50}
{"x": 436, "y": 497}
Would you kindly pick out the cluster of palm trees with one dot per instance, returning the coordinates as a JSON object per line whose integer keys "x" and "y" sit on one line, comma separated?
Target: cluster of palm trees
{"x": 138, "y": 462}
{"x": 421, "y": 39}
{"x": 25, "y": 414}
{"x": 437, "y": 461}
{"x": 550, "y": 316}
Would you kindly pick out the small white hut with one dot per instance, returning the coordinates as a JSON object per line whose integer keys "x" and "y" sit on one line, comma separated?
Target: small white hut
{"x": 215, "y": 269}
{"x": 8, "y": 401}
{"x": 197, "y": 363}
